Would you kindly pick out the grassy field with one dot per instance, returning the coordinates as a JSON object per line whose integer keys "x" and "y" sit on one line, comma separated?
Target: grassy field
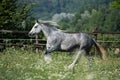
{"x": 21, "y": 64}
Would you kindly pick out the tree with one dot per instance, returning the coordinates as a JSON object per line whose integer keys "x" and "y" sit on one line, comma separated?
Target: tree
{"x": 7, "y": 10}
{"x": 112, "y": 22}
{"x": 13, "y": 13}
{"x": 14, "y": 16}
{"x": 115, "y": 4}
{"x": 22, "y": 14}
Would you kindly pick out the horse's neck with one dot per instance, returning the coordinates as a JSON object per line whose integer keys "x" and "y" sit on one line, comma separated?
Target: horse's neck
{"x": 47, "y": 31}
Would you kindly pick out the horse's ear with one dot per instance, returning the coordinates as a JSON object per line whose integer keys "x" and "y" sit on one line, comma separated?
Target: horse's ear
{"x": 37, "y": 21}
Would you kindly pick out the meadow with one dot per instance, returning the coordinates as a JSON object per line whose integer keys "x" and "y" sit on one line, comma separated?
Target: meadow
{"x": 25, "y": 64}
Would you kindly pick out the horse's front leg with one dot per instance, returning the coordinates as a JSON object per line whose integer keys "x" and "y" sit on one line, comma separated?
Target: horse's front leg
{"x": 78, "y": 56}
{"x": 47, "y": 57}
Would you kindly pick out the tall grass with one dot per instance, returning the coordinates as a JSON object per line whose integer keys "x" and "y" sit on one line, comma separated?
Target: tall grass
{"x": 23, "y": 64}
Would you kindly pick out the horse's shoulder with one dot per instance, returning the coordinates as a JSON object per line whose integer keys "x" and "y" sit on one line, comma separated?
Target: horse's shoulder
{"x": 58, "y": 34}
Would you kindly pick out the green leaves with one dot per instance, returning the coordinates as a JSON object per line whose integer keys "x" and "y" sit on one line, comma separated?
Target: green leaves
{"x": 115, "y": 4}
{"x": 13, "y": 14}
{"x": 104, "y": 18}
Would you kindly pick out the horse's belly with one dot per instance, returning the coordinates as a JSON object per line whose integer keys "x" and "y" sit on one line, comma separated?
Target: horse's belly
{"x": 69, "y": 47}
{"x": 69, "y": 44}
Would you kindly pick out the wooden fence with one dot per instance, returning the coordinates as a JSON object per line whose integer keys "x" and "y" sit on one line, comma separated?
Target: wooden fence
{"x": 36, "y": 42}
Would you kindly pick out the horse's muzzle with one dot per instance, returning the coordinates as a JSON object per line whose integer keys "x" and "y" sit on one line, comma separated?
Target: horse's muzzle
{"x": 30, "y": 34}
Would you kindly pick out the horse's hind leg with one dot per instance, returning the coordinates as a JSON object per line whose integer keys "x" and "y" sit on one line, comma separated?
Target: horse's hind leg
{"x": 79, "y": 53}
{"x": 90, "y": 58}
{"x": 88, "y": 55}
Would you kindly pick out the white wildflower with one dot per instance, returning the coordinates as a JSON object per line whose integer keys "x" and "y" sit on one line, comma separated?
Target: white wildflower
{"x": 90, "y": 76}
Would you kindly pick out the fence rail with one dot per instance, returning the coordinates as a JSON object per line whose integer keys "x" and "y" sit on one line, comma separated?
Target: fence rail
{"x": 39, "y": 42}
{"x": 12, "y": 31}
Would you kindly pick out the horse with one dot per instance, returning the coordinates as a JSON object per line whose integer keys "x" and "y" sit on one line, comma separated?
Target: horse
{"x": 59, "y": 40}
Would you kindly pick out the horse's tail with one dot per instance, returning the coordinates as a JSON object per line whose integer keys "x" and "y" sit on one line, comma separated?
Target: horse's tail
{"x": 101, "y": 50}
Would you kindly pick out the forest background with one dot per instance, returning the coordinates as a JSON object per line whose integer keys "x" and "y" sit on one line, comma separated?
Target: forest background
{"x": 72, "y": 15}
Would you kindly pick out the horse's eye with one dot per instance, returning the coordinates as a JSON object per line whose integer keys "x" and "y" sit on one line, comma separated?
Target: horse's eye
{"x": 35, "y": 26}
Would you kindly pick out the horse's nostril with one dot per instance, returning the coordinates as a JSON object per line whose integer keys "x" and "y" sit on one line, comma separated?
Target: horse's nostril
{"x": 48, "y": 47}
{"x": 29, "y": 34}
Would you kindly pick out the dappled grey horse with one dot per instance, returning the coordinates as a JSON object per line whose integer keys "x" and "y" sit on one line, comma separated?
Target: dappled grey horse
{"x": 59, "y": 40}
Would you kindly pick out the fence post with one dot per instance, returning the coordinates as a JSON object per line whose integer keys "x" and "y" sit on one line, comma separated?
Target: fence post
{"x": 95, "y": 37}
{"x": 36, "y": 43}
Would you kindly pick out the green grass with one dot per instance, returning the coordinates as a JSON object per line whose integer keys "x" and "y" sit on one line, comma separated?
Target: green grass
{"x": 21, "y": 64}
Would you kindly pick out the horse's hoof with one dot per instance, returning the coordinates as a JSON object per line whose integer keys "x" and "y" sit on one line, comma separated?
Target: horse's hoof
{"x": 70, "y": 67}
{"x": 47, "y": 59}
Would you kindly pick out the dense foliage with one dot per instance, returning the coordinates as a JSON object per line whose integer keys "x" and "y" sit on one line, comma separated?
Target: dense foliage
{"x": 103, "y": 14}
{"x": 115, "y": 4}
{"x": 46, "y": 8}
{"x": 13, "y": 14}
{"x": 104, "y": 19}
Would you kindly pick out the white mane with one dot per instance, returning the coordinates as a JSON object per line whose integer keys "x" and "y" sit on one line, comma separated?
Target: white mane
{"x": 48, "y": 23}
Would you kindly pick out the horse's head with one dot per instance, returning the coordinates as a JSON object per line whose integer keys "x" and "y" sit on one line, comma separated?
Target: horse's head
{"x": 35, "y": 29}
{"x": 40, "y": 24}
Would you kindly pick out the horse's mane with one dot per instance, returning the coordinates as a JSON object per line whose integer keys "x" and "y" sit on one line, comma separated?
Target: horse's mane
{"x": 48, "y": 23}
